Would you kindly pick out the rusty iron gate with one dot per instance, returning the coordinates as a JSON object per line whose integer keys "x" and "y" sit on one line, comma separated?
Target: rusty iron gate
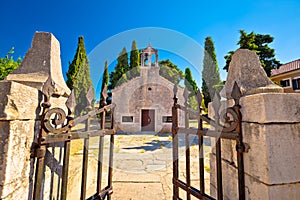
{"x": 56, "y": 131}
{"x": 229, "y": 127}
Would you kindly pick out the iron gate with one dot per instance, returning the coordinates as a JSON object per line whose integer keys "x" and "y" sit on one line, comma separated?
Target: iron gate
{"x": 55, "y": 131}
{"x": 230, "y": 128}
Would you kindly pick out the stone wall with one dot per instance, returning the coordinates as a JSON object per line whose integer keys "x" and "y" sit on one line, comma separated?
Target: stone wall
{"x": 271, "y": 127}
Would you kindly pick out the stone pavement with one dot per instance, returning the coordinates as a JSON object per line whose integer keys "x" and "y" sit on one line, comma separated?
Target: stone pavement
{"x": 143, "y": 166}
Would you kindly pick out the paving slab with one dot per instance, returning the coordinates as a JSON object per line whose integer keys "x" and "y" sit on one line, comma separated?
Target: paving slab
{"x": 138, "y": 191}
{"x": 143, "y": 172}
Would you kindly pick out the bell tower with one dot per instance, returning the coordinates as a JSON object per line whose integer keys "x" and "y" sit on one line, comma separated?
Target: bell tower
{"x": 146, "y": 56}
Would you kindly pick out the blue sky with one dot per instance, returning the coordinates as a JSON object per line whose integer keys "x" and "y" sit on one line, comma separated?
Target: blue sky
{"x": 99, "y": 20}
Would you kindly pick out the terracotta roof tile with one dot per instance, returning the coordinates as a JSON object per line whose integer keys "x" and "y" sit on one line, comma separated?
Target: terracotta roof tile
{"x": 286, "y": 67}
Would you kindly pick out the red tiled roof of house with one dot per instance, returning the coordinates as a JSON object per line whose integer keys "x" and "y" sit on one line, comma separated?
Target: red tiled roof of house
{"x": 286, "y": 67}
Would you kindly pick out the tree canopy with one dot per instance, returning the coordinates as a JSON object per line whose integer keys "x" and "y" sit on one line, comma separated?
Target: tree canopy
{"x": 170, "y": 71}
{"x": 210, "y": 72}
{"x": 8, "y": 64}
{"x": 258, "y": 43}
{"x": 78, "y": 76}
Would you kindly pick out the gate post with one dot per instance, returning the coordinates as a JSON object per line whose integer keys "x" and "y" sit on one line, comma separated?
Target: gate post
{"x": 175, "y": 144}
{"x": 20, "y": 110}
{"x": 270, "y": 127}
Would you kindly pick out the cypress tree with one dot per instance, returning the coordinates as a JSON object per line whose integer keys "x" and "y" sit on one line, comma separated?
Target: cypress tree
{"x": 79, "y": 76}
{"x": 105, "y": 79}
{"x": 134, "y": 70}
{"x": 189, "y": 82}
{"x": 117, "y": 76}
{"x": 192, "y": 87}
{"x": 210, "y": 74}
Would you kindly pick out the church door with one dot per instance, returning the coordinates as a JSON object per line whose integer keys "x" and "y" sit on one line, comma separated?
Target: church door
{"x": 148, "y": 120}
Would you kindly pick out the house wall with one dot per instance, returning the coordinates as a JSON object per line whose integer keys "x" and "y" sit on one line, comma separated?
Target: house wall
{"x": 289, "y": 75}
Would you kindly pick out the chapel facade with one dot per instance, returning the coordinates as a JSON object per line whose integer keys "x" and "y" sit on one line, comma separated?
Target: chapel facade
{"x": 144, "y": 103}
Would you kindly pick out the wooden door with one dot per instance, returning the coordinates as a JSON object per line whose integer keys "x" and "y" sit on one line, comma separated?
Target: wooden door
{"x": 148, "y": 120}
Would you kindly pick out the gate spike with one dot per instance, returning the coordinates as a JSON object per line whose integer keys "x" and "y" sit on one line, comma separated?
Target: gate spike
{"x": 175, "y": 89}
{"x": 217, "y": 102}
{"x": 199, "y": 96}
{"x": 90, "y": 96}
{"x": 71, "y": 103}
{"x": 104, "y": 93}
{"x": 236, "y": 93}
{"x": 48, "y": 88}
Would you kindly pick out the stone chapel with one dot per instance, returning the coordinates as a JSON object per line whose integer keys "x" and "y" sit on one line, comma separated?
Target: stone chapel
{"x": 144, "y": 103}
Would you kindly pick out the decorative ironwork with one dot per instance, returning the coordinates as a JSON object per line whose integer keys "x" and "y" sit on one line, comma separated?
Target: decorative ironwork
{"x": 51, "y": 123}
{"x": 56, "y": 127}
{"x": 225, "y": 125}
{"x": 229, "y": 120}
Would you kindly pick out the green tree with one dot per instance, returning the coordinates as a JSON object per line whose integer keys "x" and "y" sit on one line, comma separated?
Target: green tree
{"x": 105, "y": 79}
{"x": 170, "y": 71}
{"x": 258, "y": 43}
{"x": 8, "y": 64}
{"x": 78, "y": 76}
{"x": 189, "y": 82}
{"x": 192, "y": 87}
{"x": 210, "y": 74}
{"x": 134, "y": 70}
{"x": 118, "y": 76}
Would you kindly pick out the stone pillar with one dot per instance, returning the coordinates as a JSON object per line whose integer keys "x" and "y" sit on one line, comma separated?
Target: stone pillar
{"x": 156, "y": 59}
{"x": 271, "y": 127}
{"x": 20, "y": 111}
{"x": 149, "y": 60}
{"x": 142, "y": 60}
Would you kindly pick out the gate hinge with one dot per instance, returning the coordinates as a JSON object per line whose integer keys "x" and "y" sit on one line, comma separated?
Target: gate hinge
{"x": 247, "y": 147}
{"x": 243, "y": 147}
{"x": 37, "y": 151}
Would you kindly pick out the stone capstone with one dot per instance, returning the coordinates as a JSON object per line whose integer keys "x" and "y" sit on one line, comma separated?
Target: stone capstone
{"x": 245, "y": 68}
{"x": 41, "y": 61}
